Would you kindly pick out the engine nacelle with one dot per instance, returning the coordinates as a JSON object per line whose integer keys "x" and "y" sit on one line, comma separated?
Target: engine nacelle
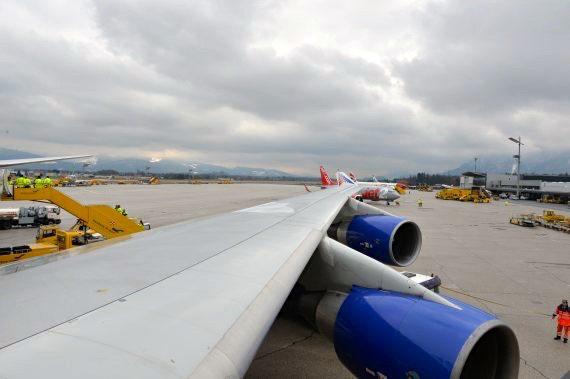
{"x": 385, "y": 334}
{"x": 388, "y": 239}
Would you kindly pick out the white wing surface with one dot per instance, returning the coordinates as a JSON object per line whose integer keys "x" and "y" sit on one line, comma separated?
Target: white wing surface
{"x": 193, "y": 299}
{"x": 20, "y": 162}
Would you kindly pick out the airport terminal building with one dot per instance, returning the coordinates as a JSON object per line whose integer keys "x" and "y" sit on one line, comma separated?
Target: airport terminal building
{"x": 533, "y": 185}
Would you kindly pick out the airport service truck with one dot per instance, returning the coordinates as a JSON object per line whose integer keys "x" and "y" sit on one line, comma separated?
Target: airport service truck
{"x": 29, "y": 216}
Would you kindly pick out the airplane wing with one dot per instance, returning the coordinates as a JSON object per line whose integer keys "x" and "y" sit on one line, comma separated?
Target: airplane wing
{"x": 20, "y": 162}
{"x": 196, "y": 298}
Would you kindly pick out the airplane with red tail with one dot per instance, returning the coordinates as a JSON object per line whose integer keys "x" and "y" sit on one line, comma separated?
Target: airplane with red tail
{"x": 373, "y": 193}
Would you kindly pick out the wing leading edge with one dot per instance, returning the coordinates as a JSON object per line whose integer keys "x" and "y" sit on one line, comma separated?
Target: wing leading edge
{"x": 193, "y": 299}
{"x": 20, "y": 162}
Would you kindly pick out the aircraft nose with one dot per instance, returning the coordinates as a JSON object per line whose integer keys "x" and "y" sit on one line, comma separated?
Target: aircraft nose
{"x": 394, "y": 195}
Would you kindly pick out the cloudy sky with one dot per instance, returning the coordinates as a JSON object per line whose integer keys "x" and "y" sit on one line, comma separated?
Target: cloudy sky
{"x": 372, "y": 86}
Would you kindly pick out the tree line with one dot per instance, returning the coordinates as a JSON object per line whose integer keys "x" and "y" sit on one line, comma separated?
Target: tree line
{"x": 431, "y": 179}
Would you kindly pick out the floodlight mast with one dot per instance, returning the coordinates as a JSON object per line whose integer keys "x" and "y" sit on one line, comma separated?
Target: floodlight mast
{"x": 518, "y": 165}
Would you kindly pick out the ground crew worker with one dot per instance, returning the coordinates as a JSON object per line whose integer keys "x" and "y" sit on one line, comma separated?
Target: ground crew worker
{"x": 420, "y": 203}
{"x": 27, "y": 182}
{"x": 47, "y": 182}
{"x": 39, "y": 182}
{"x": 563, "y": 313}
{"x": 10, "y": 180}
{"x": 21, "y": 181}
{"x": 119, "y": 209}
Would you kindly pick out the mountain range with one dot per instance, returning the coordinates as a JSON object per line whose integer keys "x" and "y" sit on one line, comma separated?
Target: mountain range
{"x": 536, "y": 163}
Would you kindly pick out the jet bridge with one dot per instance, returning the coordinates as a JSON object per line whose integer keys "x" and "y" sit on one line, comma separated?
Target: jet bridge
{"x": 101, "y": 218}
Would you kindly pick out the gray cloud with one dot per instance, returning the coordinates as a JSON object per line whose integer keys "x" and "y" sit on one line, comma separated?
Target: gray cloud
{"x": 206, "y": 47}
{"x": 192, "y": 80}
{"x": 489, "y": 56}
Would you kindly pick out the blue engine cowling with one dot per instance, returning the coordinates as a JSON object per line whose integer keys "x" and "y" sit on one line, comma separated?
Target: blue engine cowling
{"x": 385, "y": 333}
{"x": 389, "y": 239}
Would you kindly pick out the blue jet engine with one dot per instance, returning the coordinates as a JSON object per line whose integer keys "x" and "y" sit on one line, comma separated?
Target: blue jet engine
{"x": 389, "y": 239}
{"x": 386, "y": 334}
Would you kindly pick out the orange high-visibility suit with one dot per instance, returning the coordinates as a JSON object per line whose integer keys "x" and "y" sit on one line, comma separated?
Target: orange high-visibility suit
{"x": 563, "y": 313}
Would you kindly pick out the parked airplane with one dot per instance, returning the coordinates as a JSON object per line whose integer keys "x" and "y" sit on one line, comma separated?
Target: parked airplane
{"x": 374, "y": 193}
{"x": 325, "y": 178}
{"x": 196, "y": 299}
{"x": 375, "y": 182}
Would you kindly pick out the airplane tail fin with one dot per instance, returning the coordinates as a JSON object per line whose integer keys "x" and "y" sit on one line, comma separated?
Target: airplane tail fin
{"x": 352, "y": 176}
{"x": 342, "y": 178}
{"x": 325, "y": 179}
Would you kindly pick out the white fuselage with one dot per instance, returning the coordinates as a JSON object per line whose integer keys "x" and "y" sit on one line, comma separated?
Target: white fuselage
{"x": 385, "y": 192}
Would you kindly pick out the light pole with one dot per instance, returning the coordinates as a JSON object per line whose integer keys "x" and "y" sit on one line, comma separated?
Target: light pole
{"x": 475, "y": 159}
{"x": 518, "y": 157}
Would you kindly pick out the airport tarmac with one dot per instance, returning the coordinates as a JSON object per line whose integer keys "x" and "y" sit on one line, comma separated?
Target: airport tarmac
{"x": 481, "y": 258}
{"x": 476, "y": 251}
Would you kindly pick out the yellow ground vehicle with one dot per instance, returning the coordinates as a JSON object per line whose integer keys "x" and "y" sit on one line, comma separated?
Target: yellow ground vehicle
{"x": 78, "y": 235}
{"x": 527, "y": 220}
{"x": 12, "y": 254}
{"x": 552, "y": 199}
{"x": 550, "y": 216}
{"x": 101, "y": 219}
{"x": 475, "y": 194}
{"x": 548, "y": 219}
{"x": 51, "y": 239}
{"x": 61, "y": 182}
{"x": 88, "y": 182}
{"x": 450, "y": 193}
{"x": 154, "y": 180}
{"x": 424, "y": 187}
